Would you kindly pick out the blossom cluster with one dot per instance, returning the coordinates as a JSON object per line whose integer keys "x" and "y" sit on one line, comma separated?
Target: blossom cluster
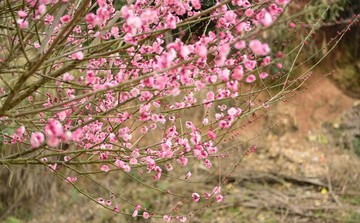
{"x": 121, "y": 79}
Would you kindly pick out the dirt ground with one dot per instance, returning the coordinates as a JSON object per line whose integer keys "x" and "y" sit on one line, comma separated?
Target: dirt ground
{"x": 302, "y": 171}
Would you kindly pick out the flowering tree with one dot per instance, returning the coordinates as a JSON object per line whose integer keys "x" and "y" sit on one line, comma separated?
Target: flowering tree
{"x": 141, "y": 89}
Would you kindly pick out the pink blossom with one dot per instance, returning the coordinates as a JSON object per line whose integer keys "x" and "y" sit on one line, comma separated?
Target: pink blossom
{"x": 137, "y": 207}
{"x": 182, "y": 218}
{"x": 115, "y": 31}
{"x": 127, "y": 168}
{"x": 263, "y": 75}
{"x": 230, "y": 16}
{"x": 65, "y": 19}
{"x": 41, "y": 9}
{"x": 211, "y": 79}
{"x": 144, "y": 129}
{"x": 207, "y": 195}
{"x": 53, "y": 166}
{"x": 23, "y": 23}
{"x": 78, "y": 55}
{"x": 201, "y": 51}
{"x": 167, "y": 218}
{"x": 224, "y": 74}
{"x": 266, "y": 61}
{"x": 53, "y": 141}
{"x": 243, "y": 26}
{"x": 249, "y": 12}
{"x": 183, "y": 161}
{"x": 233, "y": 111}
{"x": 205, "y": 121}
{"x": 232, "y": 85}
{"x": 37, "y": 45}
{"x": 119, "y": 164}
{"x": 135, "y": 153}
{"x": 126, "y": 11}
{"x": 267, "y": 20}
{"x": 223, "y": 52}
{"x": 21, "y": 130}
{"x": 240, "y": 45}
{"x": 196, "y": 197}
{"x": 171, "y": 21}
{"x": 258, "y": 48}
{"x": 100, "y": 200}
{"x": 102, "y": 3}
{"x": 211, "y": 135}
{"x": 292, "y": 25}
{"x": 207, "y": 163}
{"x": 217, "y": 190}
{"x": 91, "y": 18}
{"x": 133, "y": 161}
{"x": 61, "y": 115}
{"x": 37, "y": 138}
{"x": 199, "y": 85}
{"x": 103, "y": 13}
{"x": 219, "y": 116}
{"x": 224, "y": 124}
{"x": 219, "y": 198}
{"x": 238, "y": 73}
{"x": 149, "y": 16}
{"x": 77, "y": 134}
{"x": 222, "y": 107}
{"x": 134, "y": 22}
{"x": 169, "y": 167}
{"x": 48, "y": 19}
{"x": 146, "y": 215}
{"x": 67, "y": 136}
{"x": 135, "y": 92}
{"x": 251, "y": 78}
{"x": 53, "y": 128}
{"x": 249, "y": 64}
{"x": 196, "y": 4}
{"x": 188, "y": 175}
{"x": 105, "y": 168}
{"x": 68, "y": 77}
{"x": 210, "y": 96}
{"x": 282, "y": 2}
{"x": 71, "y": 179}
{"x": 135, "y": 213}
{"x": 22, "y": 14}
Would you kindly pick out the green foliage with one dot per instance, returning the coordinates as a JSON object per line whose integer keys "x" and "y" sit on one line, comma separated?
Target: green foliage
{"x": 119, "y": 3}
{"x": 333, "y": 12}
{"x": 356, "y": 145}
{"x": 319, "y": 138}
{"x": 353, "y": 217}
{"x": 12, "y": 220}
